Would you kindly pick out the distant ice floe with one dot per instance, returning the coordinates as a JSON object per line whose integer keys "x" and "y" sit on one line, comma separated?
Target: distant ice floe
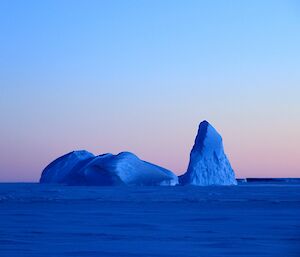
{"x": 208, "y": 166}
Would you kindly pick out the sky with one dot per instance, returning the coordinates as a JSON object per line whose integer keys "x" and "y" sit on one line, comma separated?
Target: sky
{"x": 139, "y": 76}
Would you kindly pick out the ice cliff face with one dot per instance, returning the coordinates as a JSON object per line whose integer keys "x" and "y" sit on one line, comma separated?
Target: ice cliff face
{"x": 83, "y": 168}
{"x": 208, "y": 163}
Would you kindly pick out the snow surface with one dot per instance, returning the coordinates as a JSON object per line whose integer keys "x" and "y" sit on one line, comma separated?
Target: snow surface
{"x": 259, "y": 220}
{"x": 125, "y": 168}
{"x": 208, "y": 163}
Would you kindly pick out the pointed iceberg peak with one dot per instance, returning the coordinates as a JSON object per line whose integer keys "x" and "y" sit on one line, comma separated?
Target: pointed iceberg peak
{"x": 207, "y": 139}
{"x": 204, "y": 123}
{"x": 208, "y": 163}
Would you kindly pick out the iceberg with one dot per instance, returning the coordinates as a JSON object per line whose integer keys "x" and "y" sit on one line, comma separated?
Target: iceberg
{"x": 208, "y": 166}
{"x": 208, "y": 163}
{"x": 64, "y": 169}
{"x": 125, "y": 168}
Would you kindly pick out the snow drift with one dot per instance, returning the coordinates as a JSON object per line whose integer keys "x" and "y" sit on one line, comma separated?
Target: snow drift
{"x": 125, "y": 168}
{"x": 208, "y": 163}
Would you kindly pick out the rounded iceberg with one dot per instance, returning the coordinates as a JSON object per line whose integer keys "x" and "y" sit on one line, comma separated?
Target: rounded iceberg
{"x": 125, "y": 168}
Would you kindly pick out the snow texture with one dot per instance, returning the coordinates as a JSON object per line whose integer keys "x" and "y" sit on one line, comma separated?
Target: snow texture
{"x": 125, "y": 168}
{"x": 208, "y": 163}
{"x": 251, "y": 220}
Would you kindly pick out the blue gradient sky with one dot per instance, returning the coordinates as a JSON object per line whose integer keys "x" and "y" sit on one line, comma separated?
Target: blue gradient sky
{"x": 109, "y": 76}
